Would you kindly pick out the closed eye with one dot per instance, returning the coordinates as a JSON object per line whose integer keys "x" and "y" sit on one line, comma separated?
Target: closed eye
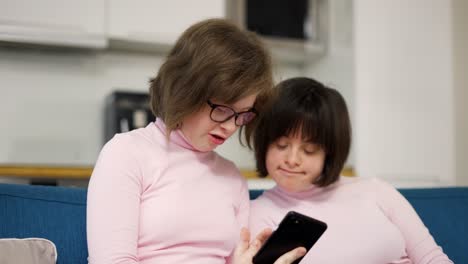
{"x": 311, "y": 149}
{"x": 281, "y": 146}
{"x": 310, "y": 152}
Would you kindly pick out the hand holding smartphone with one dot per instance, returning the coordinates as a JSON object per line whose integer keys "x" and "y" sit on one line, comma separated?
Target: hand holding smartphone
{"x": 295, "y": 230}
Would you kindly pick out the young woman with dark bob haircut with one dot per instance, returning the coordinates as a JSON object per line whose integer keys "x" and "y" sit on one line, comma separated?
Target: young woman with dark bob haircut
{"x": 160, "y": 194}
{"x": 302, "y": 141}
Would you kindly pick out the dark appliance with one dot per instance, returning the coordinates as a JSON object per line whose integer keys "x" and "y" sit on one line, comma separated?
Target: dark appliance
{"x": 125, "y": 111}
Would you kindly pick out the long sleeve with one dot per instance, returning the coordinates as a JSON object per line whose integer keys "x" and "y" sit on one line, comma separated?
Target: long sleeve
{"x": 242, "y": 212}
{"x": 420, "y": 245}
{"x": 113, "y": 206}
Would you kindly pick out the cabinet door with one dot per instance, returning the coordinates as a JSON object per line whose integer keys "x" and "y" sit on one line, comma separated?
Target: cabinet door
{"x": 158, "y": 21}
{"x": 55, "y": 22}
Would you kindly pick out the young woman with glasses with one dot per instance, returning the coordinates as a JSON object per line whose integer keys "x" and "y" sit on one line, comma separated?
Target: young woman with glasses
{"x": 160, "y": 194}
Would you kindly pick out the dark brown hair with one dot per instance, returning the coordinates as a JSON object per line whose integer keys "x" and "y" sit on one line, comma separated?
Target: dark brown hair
{"x": 212, "y": 59}
{"x": 318, "y": 112}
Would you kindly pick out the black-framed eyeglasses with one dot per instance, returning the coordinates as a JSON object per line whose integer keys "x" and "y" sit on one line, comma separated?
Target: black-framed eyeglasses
{"x": 222, "y": 113}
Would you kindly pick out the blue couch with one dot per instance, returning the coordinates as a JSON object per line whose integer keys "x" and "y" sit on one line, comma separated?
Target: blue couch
{"x": 59, "y": 214}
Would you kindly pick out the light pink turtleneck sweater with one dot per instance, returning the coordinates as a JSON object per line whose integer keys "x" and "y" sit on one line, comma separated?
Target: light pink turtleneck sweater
{"x": 368, "y": 220}
{"x": 151, "y": 201}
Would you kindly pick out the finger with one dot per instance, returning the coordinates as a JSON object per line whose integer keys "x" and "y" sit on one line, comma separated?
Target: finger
{"x": 245, "y": 235}
{"x": 291, "y": 256}
{"x": 259, "y": 241}
{"x": 263, "y": 235}
{"x": 244, "y": 241}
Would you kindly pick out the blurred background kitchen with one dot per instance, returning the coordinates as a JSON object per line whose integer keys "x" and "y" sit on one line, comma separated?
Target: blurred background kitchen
{"x": 73, "y": 73}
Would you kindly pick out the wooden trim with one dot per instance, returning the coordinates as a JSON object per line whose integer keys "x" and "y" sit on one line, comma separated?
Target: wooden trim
{"x": 83, "y": 173}
{"x": 47, "y": 172}
{"x": 348, "y": 171}
{"x": 249, "y": 174}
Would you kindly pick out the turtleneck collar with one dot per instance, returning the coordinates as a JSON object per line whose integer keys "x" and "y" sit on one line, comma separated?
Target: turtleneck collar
{"x": 310, "y": 191}
{"x": 176, "y": 136}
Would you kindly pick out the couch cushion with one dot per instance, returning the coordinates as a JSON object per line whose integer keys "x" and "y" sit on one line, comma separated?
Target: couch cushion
{"x": 27, "y": 251}
{"x": 54, "y": 213}
{"x": 445, "y": 213}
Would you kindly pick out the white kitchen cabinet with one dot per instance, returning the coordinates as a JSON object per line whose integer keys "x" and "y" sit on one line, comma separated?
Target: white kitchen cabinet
{"x": 54, "y": 22}
{"x": 156, "y": 23}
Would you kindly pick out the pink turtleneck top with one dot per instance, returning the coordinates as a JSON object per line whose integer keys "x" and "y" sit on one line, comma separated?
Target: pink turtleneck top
{"x": 153, "y": 201}
{"x": 368, "y": 221}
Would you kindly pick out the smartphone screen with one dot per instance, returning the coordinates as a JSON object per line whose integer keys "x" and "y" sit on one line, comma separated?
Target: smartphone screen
{"x": 295, "y": 230}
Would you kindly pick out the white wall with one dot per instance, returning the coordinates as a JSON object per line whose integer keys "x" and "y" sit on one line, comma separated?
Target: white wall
{"x": 460, "y": 35}
{"x": 404, "y": 91}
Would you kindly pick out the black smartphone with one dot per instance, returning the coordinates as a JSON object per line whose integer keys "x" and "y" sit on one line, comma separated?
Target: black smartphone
{"x": 295, "y": 230}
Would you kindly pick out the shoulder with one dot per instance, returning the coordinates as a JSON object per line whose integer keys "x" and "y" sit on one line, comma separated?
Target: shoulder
{"x": 367, "y": 188}
{"x": 378, "y": 185}
{"x": 363, "y": 183}
{"x": 135, "y": 141}
{"x": 138, "y": 149}
{"x": 384, "y": 194}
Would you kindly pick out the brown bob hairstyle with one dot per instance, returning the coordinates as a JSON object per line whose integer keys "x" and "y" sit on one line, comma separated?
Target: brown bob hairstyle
{"x": 212, "y": 59}
{"x": 318, "y": 112}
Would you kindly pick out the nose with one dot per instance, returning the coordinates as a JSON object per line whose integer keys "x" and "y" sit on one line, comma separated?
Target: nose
{"x": 293, "y": 157}
{"x": 229, "y": 125}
